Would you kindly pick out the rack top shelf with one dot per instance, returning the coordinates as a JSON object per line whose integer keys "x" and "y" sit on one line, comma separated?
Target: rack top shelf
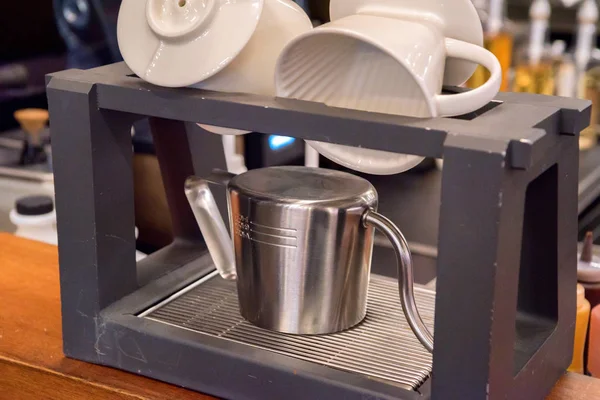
{"x": 515, "y": 125}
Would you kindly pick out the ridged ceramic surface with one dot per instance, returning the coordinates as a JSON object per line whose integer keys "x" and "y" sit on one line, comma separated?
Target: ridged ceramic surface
{"x": 457, "y": 18}
{"x": 342, "y": 71}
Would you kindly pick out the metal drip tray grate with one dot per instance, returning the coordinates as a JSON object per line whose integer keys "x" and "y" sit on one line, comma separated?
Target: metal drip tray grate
{"x": 382, "y": 347}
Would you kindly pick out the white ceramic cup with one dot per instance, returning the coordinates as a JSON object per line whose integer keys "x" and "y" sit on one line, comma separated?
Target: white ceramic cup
{"x": 253, "y": 68}
{"x": 176, "y": 43}
{"x": 384, "y": 65}
{"x": 221, "y": 45}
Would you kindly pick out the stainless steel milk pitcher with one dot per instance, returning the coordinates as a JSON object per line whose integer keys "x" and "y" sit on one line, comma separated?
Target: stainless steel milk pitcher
{"x": 302, "y": 246}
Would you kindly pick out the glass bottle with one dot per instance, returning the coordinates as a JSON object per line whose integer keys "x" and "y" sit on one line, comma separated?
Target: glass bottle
{"x": 534, "y": 72}
{"x": 590, "y": 90}
{"x": 497, "y": 40}
{"x": 581, "y": 326}
{"x": 566, "y": 77}
{"x": 593, "y": 361}
{"x": 588, "y": 69}
{"x": 558, "y": 56}
{"x": 588, "y": 270}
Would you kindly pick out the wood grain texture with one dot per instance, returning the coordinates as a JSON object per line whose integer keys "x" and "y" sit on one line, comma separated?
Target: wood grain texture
{"x": 31, "y": 361}
{"x": 576, "y": 387}
{"x": 32, "y": 365}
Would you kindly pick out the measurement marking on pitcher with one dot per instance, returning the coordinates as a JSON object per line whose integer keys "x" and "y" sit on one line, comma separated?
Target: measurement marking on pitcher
{"x": 264, "y": 234}
{"x": 271, "y": 235}
{"x": 289, "y": 246}
{"x": 270, "y": 227}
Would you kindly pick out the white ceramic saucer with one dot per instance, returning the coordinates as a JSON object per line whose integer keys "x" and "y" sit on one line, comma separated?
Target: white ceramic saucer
{"x": 459, "y": 19}
{"x": 374, "y": 162}
{"x": 177, "y": 43}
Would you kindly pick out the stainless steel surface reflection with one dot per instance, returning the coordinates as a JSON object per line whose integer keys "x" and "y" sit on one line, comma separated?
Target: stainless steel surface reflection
{"x": 302, "y": 244}
{"x": 302, "y": 251}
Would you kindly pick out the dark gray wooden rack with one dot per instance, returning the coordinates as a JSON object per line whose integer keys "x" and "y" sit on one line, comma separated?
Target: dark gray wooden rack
{"x": 505, "y": 306}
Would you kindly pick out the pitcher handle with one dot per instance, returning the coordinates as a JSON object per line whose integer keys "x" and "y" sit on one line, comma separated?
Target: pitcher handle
{"x": 211, "y": 225}
{"x": 405, "y": 275}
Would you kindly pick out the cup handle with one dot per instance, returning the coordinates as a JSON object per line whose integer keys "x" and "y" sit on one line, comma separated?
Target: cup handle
{"x": 466, "y": 102}
{"x": 405, "y": 275}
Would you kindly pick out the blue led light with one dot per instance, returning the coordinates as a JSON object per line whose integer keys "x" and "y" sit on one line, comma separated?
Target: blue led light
{"x": 280, "y": 142}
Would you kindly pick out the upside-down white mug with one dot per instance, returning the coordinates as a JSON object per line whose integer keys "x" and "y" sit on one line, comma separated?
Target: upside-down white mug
{"x": 221, "y": 45}
{"x": 253, "y": 68}
{"x": 380, "y": 64}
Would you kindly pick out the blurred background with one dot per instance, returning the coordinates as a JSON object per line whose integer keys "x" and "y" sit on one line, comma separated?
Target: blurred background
{"x": 547, "y": 47}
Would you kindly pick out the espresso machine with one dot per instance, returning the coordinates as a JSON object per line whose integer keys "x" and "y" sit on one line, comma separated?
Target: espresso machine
{"x": 500, "y": 321}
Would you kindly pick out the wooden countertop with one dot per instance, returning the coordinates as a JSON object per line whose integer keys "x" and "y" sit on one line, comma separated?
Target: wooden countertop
{"x": 32, "y": 364}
